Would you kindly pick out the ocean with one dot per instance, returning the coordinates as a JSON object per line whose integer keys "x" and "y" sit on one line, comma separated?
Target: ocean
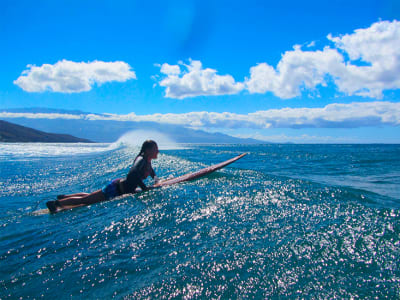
{"x": 284, "y": 222}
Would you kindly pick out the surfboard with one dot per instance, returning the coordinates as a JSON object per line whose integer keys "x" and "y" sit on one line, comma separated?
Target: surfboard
{"x": 176, "y": 180}
{"x": 198, "y": 174}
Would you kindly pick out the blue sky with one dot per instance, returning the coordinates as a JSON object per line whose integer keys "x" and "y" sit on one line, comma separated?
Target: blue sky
{"x": 283, "y": 71}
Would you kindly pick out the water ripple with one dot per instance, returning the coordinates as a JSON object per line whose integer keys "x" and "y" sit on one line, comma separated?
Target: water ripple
{"x": 248, "y": 231}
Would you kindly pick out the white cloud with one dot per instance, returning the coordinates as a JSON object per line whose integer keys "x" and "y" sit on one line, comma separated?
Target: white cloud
{"x": 10, "y": 115}
{"x": 301, "y": 139}
{"x": 352, "y": 115}
{"x": 297, "y": 69}
{"x": 311, "y": 44}
{"x": 170, "y": 70}
{"x": 379, "y": 47}
{"x": 364, "y": 63}
{"x": 196, "y": 81}
{"x": 335, "y": 115}
{"x": 73, "y": 77}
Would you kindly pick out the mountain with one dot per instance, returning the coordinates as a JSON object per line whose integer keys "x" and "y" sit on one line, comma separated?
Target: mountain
{"x": 109, "y": 131}
{"x": 12, "y": 133}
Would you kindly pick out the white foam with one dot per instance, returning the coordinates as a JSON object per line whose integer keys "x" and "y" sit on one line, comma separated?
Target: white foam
{"x": 132, "y": 139}
{"x": 20, "y": 150}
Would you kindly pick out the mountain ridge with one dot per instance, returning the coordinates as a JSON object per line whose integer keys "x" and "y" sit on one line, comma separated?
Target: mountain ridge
{"x": 13, "y": 133}
{"x": 109, "y": 131}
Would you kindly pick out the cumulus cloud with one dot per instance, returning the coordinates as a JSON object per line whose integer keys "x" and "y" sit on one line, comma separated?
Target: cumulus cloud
{"x": 73, "y": 77}
{"x": 364, "y": 63}
{"x": 335, "y": 115}
{"x": 377, "y": 46}
{"x": 170, "y": 69}
{"x": 196, "y": 81}
{"x": 297, "y": 70}
{"x": 372, "y": 66}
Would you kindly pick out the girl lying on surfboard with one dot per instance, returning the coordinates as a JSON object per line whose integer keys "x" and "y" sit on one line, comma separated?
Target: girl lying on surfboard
{"x": 140, "y": 170}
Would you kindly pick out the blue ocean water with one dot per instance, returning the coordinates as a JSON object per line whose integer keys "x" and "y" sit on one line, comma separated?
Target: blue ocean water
{"x": 285, "y": 221}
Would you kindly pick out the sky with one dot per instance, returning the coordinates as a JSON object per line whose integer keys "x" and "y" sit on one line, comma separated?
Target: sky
{"x": 279, "y": 71}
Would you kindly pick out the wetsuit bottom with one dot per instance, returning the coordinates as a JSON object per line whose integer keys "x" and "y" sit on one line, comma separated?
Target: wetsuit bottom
{"x": 111, "y": 190}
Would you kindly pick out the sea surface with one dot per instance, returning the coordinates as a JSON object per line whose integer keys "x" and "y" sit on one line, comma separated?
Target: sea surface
{"x": 285, "y": 221}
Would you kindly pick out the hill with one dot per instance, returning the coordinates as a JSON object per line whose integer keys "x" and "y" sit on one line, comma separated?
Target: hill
{"x": 13, "y": 133}
{"x": 109, "y": 131}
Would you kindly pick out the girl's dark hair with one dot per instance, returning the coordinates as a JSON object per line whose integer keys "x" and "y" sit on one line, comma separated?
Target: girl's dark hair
{"x": 146, "y": 145}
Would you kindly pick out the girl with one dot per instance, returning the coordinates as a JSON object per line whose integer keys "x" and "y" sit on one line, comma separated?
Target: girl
{"x": 140, "y": 170}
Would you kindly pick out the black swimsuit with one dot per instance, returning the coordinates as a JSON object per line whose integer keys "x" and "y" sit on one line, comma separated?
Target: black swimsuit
{"x": 140, "y": 170}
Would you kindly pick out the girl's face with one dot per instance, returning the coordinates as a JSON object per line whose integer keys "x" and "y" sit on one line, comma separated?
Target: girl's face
{"x": 152, "y": 152}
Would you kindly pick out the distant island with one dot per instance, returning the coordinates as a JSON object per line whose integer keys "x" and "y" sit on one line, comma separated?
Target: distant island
{"x": 13, "y": 133}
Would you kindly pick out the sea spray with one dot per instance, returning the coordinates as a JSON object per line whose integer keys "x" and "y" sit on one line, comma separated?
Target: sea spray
{"x": 135, "y": 138}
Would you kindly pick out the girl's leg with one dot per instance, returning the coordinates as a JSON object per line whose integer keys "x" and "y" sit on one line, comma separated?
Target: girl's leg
{"x": 72, "y": 195}
{"x": 86, "y": 199}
